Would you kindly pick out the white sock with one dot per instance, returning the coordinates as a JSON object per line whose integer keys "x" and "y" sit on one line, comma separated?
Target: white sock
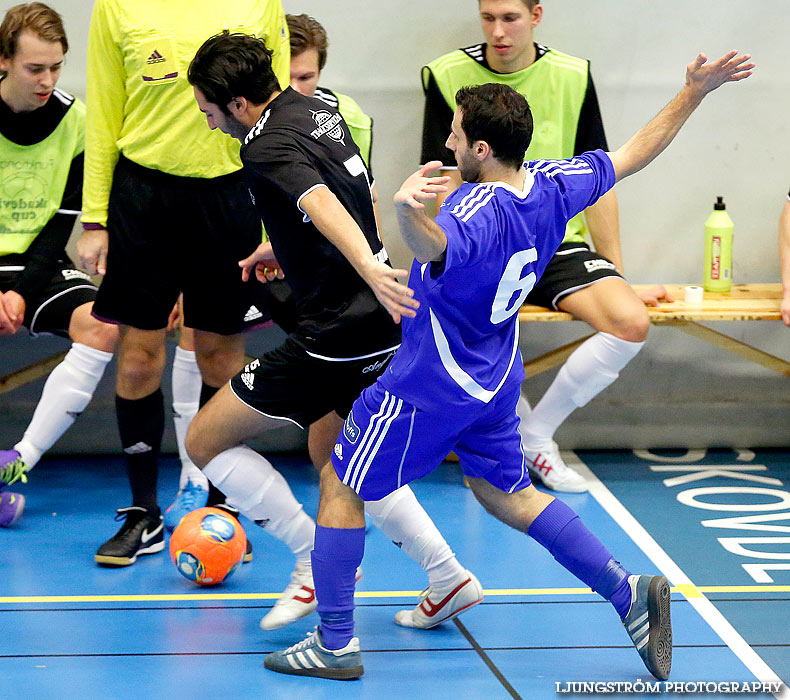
{"x": 67, "y": 391}
{"x": 593, "y": 366}
{"x": 258, "y": 490}
{"x": 186, "y": 382}
{"x": 401, "y": 518}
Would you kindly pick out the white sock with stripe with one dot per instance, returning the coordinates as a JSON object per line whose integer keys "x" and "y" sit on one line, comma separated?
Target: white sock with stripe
{"x": 67, "y": 391}
{"x": 258, "y": 490}
{"x": 186, "y": 382}
{"x": 593, "y": 366}
{"x": 401, "y": 518}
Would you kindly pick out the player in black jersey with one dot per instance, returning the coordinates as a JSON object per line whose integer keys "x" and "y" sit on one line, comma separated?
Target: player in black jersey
{"x": 312, "y": 189}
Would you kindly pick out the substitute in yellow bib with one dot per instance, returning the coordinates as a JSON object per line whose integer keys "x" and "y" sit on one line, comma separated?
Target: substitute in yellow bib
{"x": 42, "y": 138}
{"x": 589, "y": 284}
{"x": 165, "y": 212}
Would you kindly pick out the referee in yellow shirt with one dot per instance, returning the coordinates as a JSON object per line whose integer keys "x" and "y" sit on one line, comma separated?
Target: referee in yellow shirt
{"x": 165, "y": 211}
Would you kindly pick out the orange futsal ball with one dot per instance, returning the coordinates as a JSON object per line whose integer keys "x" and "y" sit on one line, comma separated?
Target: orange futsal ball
{"x": 208, "y": 546}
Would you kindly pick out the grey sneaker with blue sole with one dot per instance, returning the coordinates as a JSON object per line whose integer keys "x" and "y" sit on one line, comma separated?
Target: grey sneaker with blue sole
{"x": 310, "y": 658}
{"x": 648, "y": 623}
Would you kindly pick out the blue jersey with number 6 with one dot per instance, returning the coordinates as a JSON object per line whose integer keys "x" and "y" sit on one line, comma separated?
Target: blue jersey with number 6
{"x": 462, "y": 347}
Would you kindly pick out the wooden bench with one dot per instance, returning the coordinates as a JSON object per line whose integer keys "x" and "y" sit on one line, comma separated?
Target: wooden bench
{"x": 745, "y": 302}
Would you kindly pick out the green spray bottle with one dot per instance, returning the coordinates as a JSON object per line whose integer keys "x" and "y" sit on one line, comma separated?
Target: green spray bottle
{"x": 718, "y": 249}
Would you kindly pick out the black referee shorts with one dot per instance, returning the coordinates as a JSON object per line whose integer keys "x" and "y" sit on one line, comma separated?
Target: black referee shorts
{"x": 573, "y": 267}
{"x": 171, "y": 234}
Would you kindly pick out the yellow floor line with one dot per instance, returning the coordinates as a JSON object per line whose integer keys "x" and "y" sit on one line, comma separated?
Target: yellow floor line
{"x": 689, "y": 591}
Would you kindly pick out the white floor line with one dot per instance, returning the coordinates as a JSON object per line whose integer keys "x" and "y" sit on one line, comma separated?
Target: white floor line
{"x": 677, "y": 577}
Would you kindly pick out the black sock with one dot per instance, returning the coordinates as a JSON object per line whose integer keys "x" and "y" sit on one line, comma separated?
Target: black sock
{"x": 215, "y": 496}
{"x": 141, "y": 423}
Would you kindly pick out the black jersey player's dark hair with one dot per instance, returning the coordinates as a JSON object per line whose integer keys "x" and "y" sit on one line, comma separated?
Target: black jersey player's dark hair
{"x": 230, "y": 65}
{"x": 498, "y": 115}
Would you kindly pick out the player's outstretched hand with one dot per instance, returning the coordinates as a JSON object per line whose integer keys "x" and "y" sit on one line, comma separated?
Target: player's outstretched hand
{"x": 786, "y": 310}
{"x": 92, "y": 250}
{"x": 263, "y": 262}
{"x": 705, "y": 77}
{"x": 396, "y": 298}
{"x": 651, "y": 297}
{"x": 419, "y": 188}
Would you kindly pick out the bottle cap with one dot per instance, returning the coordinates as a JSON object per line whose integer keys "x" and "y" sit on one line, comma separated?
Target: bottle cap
{"x": 719, "y": 205}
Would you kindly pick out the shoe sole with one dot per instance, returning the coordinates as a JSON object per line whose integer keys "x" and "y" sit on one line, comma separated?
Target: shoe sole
{"x": 659, "y": 646}
{"x": 108, "y": 560}
{"x": 333, "y": 674}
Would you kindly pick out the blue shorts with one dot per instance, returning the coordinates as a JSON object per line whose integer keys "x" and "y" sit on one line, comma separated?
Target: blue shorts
{"x": 387, "y": 442}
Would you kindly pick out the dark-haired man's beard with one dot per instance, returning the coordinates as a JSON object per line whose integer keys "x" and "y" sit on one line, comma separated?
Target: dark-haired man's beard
{"x": 235, "y": 128}
{"x": 469, "y": 167}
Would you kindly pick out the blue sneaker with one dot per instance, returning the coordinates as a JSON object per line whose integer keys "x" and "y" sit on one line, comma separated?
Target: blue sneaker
{"x": 191, "y": 497}
{"x": 310, "y": 658}
{"x": 12, "y": 468}
{"x": 11, "y": 507}
{"x": 648, "y": 623}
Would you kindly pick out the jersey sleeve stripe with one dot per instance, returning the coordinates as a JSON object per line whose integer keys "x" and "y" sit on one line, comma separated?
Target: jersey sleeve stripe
{"x": 470, "y": 200}
{"x": 478, "y": 206}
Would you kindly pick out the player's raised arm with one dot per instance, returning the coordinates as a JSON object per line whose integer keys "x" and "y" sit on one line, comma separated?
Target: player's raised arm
{"x": 701, "y": 78}
{"x": 332, "y": 219}
{"x": 423, "y": 236}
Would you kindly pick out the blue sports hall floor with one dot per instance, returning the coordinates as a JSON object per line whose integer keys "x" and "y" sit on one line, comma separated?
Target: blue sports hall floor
{"x": 715, "y": 522}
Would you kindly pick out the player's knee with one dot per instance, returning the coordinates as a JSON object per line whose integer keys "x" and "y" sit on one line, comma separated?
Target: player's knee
{"x": 101, "y": 336}
{"x": 218, "y": 365}
{"x": 139, "y": 366}
{"x": 632, "y": 326}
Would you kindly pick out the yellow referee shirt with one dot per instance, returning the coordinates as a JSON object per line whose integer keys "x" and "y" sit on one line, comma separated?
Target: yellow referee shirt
{"x": 139, "y": 100}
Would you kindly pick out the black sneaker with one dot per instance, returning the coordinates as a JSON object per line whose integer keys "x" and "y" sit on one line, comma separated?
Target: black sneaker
{"x": 235, "y": 513}
{"x": 142, "y": 533}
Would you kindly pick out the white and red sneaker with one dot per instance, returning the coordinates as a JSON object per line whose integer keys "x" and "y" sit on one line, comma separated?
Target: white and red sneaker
{"x": 547, "y": 466}
{"x": 440, "y": 605}
{"x": 296, "y": 601}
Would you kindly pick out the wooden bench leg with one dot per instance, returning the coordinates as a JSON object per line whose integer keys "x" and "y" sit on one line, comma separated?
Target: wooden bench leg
{"x": 734, "y": 346}
{"x": 552, "y": 359}
{"x": 30, "y": 373}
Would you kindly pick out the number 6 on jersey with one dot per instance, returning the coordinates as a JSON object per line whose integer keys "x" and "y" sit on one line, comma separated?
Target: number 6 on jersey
{"x": 513, "y": 285}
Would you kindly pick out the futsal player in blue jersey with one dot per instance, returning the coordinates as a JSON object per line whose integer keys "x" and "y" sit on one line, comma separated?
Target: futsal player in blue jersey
{"x": 454, "y": 382}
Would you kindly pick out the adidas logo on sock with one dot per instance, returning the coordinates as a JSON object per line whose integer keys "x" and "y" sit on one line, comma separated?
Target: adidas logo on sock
{"x": 248, "y": 379}
{"x": 138, "y": 448}
{"x": 252, "y": 314}
{"x": 155, "y": 57}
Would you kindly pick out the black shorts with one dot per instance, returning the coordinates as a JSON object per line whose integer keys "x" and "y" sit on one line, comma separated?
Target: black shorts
{"x": 290, "y": 384}
{"x": 172, "y": 234}
{"x": 573, "y": 267}
{"x": 50, "y": 312}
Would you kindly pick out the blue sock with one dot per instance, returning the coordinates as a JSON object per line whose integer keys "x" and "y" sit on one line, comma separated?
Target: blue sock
{"x": 561, "y": 531}
{"x": 336, "y": 556}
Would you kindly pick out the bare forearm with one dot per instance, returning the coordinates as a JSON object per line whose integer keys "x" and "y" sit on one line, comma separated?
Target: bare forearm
{"x": 603, "y": 221}
{"x": 701, "y": 78}
{"x": 642, "y": 148}
{"x": 333, "y": 220}
{"x": 422, "y": 235}
{"x": 784, "y": 247}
